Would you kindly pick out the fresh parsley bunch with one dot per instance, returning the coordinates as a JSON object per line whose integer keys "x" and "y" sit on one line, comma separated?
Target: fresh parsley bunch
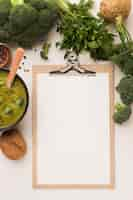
{"x": 82, "y": 31}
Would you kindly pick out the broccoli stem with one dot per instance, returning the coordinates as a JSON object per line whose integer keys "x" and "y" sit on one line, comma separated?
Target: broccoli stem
{"x": 62, "y": 5}
{"x": 17, "y": 2}
{"x": 123, "y": 32}
{"x": 119, "y": 107}
{"x": 45, "y": 50}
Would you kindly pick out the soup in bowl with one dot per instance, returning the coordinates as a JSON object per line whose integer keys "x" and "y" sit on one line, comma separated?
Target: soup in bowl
{"x": 13, "y": 101}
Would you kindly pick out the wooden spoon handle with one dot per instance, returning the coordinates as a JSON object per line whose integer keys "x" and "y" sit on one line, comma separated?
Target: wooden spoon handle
{"x": 15, "y": 65}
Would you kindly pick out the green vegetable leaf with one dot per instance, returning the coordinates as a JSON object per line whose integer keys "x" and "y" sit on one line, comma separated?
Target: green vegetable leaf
{"x": 82, "y": 31}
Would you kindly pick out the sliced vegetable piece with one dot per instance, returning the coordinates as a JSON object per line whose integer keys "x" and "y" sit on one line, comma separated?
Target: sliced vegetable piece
{"x": 8, "y": 110}
{"x": 20, "y": 101}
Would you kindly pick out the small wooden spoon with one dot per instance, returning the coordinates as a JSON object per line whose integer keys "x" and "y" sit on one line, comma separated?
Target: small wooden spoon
{"x": 14, "y": 66}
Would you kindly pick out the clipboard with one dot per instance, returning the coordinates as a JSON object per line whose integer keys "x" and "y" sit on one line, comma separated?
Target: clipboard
{"x": 40, "y": 159}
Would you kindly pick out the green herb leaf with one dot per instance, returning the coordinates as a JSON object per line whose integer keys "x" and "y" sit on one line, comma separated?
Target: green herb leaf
{"x": 82, "y": 31}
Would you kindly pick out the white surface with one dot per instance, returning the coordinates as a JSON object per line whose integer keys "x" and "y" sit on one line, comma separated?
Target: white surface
{"x": 73, "y": 145}
{"x": 16, "y": 177}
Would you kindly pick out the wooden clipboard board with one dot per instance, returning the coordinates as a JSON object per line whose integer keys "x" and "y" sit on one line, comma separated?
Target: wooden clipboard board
{"x": 100, "y": 68}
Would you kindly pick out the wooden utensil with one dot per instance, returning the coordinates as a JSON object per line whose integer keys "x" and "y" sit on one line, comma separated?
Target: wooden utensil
{"x": 14, "y": 66}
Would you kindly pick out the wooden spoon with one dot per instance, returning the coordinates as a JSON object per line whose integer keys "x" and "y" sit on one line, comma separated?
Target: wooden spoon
{"x": 14, "y": 66}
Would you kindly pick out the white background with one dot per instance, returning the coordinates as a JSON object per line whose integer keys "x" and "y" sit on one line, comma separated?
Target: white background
{"x": 16, "y": 177}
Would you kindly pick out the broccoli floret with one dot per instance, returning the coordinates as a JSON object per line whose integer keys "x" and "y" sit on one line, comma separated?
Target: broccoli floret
{"x": 125, "y": 62}
{"x": 27, "y": 21}
{"x": 122, "y": 113}
{"x": 21, "y": 17}
{"x": 125, "y": 89}
{"x": 4, "y": 35}
{"x": 102, "y": 53}
{"x": 123, "y": 58}
{"x": 5, "y": 6}
{"x": 28, "y": 37}
{"x": 45, "y": 15}
{"x": 37, "y": 4}
{"x": 38, "y": 29}
{"x": 45, "y": 50}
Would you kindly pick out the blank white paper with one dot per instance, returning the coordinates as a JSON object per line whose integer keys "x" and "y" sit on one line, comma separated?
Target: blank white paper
{"x": 73, "y": 134}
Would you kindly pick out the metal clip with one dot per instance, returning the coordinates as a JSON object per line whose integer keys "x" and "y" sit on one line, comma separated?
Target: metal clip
{"x": 73, "y": 64}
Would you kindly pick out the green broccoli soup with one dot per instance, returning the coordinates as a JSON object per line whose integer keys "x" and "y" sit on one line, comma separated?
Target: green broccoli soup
{"x": 13, "y": 101}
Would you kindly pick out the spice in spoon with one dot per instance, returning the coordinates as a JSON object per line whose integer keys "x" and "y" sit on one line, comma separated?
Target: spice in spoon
{"x": 5, "y": 55}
